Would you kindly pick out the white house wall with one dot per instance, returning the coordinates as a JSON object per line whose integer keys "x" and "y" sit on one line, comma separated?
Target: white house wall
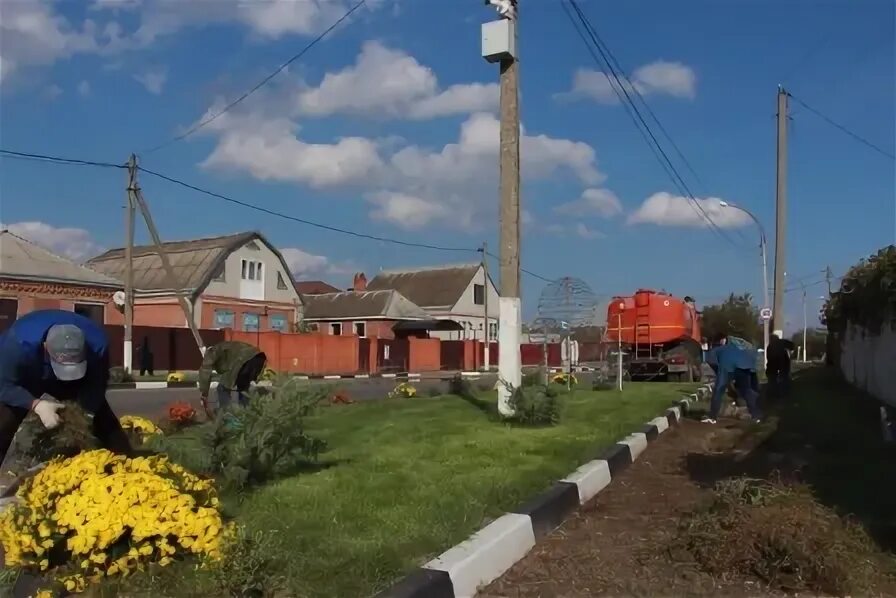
{"x": 466, "y": 312}
{"x": 866, "y": 360}
{"x": 230, "y": 286}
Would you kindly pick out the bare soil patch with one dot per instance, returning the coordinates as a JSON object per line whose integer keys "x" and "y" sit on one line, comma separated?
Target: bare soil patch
{"x": 725, "y": 510}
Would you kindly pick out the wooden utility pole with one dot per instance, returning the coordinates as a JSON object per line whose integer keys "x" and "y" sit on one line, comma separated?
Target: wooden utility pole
{"x": 780, "y": 215}
{"x": 487, "y": 335}
{"x": 499, "y": 44}
{"x": 129, "y": 266}
{"x": 172, "y": 282}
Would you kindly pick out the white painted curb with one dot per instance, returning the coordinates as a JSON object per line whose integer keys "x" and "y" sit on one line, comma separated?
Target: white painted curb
{"x": 636, "y": 442}
{"x": 487, "y": 554}
{"x": 661, "y": 423}
{"x": 590, "y": 479}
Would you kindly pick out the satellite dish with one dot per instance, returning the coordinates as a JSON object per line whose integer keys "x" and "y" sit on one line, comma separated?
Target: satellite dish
{"x": 118, "y": 298}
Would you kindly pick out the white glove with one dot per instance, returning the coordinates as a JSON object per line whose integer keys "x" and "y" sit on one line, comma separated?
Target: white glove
{"x": 47, "y": 412}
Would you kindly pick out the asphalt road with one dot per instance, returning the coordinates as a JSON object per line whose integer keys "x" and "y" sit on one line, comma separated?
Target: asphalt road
{"x": 154, "y": 403}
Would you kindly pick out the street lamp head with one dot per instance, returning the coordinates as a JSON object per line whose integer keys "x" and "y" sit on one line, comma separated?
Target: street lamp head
{"x": 724, "y": 203}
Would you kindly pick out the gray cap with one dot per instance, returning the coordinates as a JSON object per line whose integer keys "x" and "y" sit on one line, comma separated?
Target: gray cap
{"x": 65, "y": 346}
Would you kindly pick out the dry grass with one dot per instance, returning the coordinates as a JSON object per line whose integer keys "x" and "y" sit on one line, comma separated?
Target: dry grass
{"x": 781, "y": 535}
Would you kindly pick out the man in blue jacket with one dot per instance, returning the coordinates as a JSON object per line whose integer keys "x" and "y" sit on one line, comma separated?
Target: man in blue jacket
{"x": 733, "y": 364}
{"x": 50, "y": 356}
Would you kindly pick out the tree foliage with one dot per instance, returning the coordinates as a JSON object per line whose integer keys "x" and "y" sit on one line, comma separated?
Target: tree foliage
{"x": 867, "y": 294}
{"x": 737, "y": 315}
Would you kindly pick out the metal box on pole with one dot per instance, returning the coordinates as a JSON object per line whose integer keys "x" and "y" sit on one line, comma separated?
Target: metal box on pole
{"x": 499, "y": 40}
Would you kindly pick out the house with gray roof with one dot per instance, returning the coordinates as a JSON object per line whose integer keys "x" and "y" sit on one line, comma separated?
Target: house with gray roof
{"x": 32, "y": 277}
{"x": 457, "y": 293}
{"x": 238, "y": 281}
{"x": 363, "y": 313}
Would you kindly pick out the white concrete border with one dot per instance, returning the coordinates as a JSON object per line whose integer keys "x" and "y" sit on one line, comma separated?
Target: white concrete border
{"x": 590, "y": 478}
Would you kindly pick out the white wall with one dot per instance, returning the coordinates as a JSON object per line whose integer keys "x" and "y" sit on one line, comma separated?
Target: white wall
{"x": 466, "y": 311}
{"x": 230, "y": 287}
{"x": 867, "y": 361}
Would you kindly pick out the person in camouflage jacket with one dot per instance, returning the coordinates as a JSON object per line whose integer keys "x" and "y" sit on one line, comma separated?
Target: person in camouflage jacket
{"x": 238, "y": 365}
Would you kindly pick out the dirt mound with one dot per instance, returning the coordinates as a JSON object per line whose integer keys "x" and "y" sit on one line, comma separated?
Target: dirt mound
{"x": 781, "y": 535}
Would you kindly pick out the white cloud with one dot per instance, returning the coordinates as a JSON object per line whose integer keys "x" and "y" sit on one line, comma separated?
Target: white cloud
{"x": 52, "y": 91}
{"x": 665, "y": 209}
{"x": 586, "y": 233}
{"x": 657, "y": 78}
{"x": 599, "y": 202}
{"x": 74, "y": 243}
{"x": 303, "y": 264}
{"x": 406, "y": 211}
{"x": 84, "y": 88}
{"x": 391, "y": 83}
{"x": 270, "y": 151}
{"x": 33, "y": 34}
{"x": 153, "y": 79}
{"x": 434, "y": 183}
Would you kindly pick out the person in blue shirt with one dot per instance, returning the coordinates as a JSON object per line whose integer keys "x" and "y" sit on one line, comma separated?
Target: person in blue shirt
{"x": 48, "y": 356}
{"x": 737, "y": 365}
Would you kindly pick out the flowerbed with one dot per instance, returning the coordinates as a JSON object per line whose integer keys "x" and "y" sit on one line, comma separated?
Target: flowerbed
{"x": 99, "y": 515}
{"x": 139, "y": 428}
{"x": 404, "y": 391}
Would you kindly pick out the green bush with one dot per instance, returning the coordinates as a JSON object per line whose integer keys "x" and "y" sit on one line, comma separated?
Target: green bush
{"x": 246, "y": 567}
{"x": 460, "y": 386}
{"x": 535, "y": 406}
{"x": 533, "y": 378}
{"x": 247, "y": 446}
{"x": 118, "y": 375}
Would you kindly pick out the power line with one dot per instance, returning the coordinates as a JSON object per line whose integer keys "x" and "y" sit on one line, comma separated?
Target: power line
{"x": 532, "y": 274}
{"x": 831, "y": 122}
{"x": 324, "y": 226}
{"x": 270, "y": 212}
{"x": 57, "y": 159}
{"x": 261, "y": 83}
{"x": 607, "y": 66}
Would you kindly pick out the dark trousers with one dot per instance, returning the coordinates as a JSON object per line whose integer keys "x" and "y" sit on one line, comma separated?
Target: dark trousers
{"x": 778, "y": 376}
{"x": 106, "y": 428}
{"x": 744, "y": 382}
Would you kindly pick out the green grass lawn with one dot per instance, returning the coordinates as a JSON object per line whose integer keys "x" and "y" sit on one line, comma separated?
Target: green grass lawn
{"x": 407, "y": 479}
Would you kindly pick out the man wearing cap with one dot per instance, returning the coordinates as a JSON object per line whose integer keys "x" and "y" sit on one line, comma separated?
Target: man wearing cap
{"x": 49, "y": 356}
{"x": 737, "y": 366}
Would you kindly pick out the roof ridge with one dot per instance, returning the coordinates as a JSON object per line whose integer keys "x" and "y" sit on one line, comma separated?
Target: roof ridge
{"x": 59, "y": 257}
{"x": 429, "y": 268}
{"x": 151, "y": 246}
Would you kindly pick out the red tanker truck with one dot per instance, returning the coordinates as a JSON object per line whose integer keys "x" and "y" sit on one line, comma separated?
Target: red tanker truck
{"x": 660, "y": 335}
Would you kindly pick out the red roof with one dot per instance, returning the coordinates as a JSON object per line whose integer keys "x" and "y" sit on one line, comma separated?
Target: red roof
{"x": 314, "y": 287}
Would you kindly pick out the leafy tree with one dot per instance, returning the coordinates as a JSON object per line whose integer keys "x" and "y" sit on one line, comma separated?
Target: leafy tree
{"x": 737, "y": 315}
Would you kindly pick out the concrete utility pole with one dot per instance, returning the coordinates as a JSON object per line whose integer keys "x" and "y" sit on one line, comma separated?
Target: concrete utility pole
{"x": 129, "y": 266}
{"x": 828, "y": 274}
{"x": 136, "y": 196}
{"x": 780, "y": 214}
{"x": 805, "y": 325}
{"x": 499, "y": 44}
{"x": 487, "y": 335}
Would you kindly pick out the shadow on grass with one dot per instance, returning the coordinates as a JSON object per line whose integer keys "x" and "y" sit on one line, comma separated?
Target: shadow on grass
{"x": 826, "y": 435}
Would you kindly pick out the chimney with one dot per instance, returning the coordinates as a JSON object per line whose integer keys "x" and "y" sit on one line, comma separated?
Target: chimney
{"x": 359, "y": 283}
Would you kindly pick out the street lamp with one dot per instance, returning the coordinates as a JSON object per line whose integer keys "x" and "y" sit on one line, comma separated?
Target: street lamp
{"x": 763, "y": 247}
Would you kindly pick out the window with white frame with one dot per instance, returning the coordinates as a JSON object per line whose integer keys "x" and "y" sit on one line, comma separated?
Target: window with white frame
{"x": 251, "y": 270}
{"x": 361, "y": 329}
{"x": 336, "y": 328}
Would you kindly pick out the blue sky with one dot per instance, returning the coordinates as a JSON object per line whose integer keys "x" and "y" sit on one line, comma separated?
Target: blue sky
{"x": 388, "y": 127}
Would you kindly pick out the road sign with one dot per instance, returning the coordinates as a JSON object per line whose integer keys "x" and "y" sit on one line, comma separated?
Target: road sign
{"x": 765, "y": 313}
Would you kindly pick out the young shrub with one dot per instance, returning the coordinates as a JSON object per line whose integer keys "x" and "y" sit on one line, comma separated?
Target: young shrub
{"x": 535, "y": 406}
{"x": 35, "y": 444}
{"x": 533, "y": 378}
{"x": 460, "y": 386}
{"x": 254, "y": 444}
{"x": 119, "y": 375}
{"x": 246, "y": 567}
